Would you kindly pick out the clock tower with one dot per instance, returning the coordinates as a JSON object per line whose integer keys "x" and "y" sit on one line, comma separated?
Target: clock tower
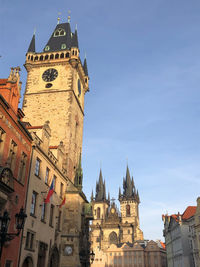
{"x": 55, "y": 89}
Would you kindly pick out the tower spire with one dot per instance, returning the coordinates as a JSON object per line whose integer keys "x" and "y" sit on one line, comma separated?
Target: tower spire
{"x": 100, "y": 188}
{"x": 32, "y": 44}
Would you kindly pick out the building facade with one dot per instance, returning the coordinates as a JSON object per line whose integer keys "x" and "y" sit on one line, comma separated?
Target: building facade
{"x": 116, "y": 237}
{"x": 178, "y": 238}
{"x": 15, "y": 153}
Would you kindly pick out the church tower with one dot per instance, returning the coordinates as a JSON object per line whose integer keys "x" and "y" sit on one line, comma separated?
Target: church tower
{"x": 100, "y": 203}
{"x": 129, "y": 202}
{"x": 55, "y": 89}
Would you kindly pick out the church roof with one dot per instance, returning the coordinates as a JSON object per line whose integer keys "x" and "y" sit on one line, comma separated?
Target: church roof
{"x": 100, "y": 189}
{"x": 61, "y": 38}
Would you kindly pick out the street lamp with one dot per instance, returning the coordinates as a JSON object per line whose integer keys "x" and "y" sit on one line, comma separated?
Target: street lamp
{"x": 4, "y": 223}
{"x": 92, "y": 255}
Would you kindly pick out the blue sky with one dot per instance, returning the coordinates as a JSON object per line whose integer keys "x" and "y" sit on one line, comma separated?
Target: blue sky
{"x": 144, "y": 100}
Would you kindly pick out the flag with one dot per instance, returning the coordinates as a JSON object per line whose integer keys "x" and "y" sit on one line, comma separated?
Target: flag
{"x": 50, "y": 193}
{"x": 62, "y": 203}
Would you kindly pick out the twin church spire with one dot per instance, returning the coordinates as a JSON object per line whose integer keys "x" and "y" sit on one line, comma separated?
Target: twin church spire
{"x": 129, "y": 190}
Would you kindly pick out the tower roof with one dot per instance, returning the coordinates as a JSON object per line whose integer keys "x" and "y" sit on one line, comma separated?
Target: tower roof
{"x": 32, "y": 44}
{"x": 100, "y": 189}
{"x": 129, "y": 191}
{"x": 61, "y": 38}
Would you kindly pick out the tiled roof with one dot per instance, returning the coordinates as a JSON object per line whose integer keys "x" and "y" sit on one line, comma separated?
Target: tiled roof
{"x": 189, "y": 212}
{"x": 3, "y": 81}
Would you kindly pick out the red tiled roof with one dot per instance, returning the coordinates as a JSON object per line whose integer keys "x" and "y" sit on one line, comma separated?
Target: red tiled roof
{"x": 3, "y": 81}
{"x": 189, "y": 212}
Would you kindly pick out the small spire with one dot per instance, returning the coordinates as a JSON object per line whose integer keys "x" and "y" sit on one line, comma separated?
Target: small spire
{"x": 34, "y": 32}
{"x": 120, "y": 192}
{"x": 76, "y": 27}
{"x": 32, "y": 44}
{"x": 92, "y": 196}
{"x": 69, "y": 17}
{"x": 85, "y": 68}
{"x": 58, "y": 22}
{"x": 109, "y": 196}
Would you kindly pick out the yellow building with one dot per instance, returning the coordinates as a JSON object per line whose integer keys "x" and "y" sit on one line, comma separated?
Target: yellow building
{"x": 55, "y": 89}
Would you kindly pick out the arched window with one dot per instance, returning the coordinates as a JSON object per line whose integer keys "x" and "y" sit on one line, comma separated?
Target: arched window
{"x": 57, "y": 56}
{"x": 29, "y": 57}
{"x": 98, "y": 213}
{"x": 67, "y": 54}
{"x": 113, "y": 238}
{"x": 51, "y": 56}
{"x": 128, "y": 212}
{"x": 32, "y": 58}
{"x": 41, "y": 58}
{"x": 59, "y": 32}
{"x": 36, "y": 58}
{"x": 46, "y": 57}
{"x": 62, "y": 55}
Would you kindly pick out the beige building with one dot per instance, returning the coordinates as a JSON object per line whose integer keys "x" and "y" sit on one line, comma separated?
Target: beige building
{"x": 54, "y": 96}
{"x": 116, "y": 237}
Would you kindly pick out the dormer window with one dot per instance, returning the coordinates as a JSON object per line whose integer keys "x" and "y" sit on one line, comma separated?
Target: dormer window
{"x": 59, "y": 32}
{"x": 47, "y": 47}
{"x": 63, "y": 46}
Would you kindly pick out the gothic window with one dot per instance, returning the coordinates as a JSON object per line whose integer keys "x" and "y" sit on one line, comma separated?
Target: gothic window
{"x": 128, "y": 213}
{"x": 59, "y": 220}
{"x": 31, "y": 58}
{"x": 22, "y": 168}
{"x": 36, "y": 58}
{"x": 46, "y": 57}
{"x": 98, "y": 213}
{"x": 62, "y": 55}
{"x": 67, "y": 54}
{"x": 56, "y": 56}
{"x": 59, "y": 32}
{"x": 113, "y": 238}
{"x": 51, "y": 56}
{"x": 41, "y": 58}
{"x": 54, "y": 182}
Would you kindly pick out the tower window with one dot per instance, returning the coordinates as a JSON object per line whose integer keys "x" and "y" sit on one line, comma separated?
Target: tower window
{"x": 128, "y": 213}
{"x": 59, "y": 32}
{"x": 67, "y": 54}
{"x": 47, "y": 48}
{"x": 41, "y": 58}
{"x": 57, "y": 56}
{"x": 79, "y": 87}
{"x": 31, "y": 58}
{"x": 51, "y": 56}
{"x": 113, "y": 238}
{"x": 62, "y": 55}
{"x": 98, "y": 213}
{"x": 63, "y": 46}
{"x": 36, "y": 58}
{"x": 46, "y": 57}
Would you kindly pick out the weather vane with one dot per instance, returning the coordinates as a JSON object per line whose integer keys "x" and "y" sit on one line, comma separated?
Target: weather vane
{"x": 58, "y": 17}
{"x": 69, "y": 17}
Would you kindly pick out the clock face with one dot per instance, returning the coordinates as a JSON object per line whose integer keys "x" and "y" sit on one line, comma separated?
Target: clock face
{"x": 50, "y": 75}
{"x": 68, "y": 250}
{"x": 112, "y": 210}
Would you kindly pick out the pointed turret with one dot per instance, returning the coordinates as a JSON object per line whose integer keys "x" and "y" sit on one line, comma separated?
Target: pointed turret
{"x": 104, "y": 190}
{"x": 74, "y": 42}
{"x": 79, "y": 175}
{"x": 129, "y": 190}
{"x": 92, "y": 196}
{"x": 85, "y": 68}
{"x": 120, "y": 192}
{"x": 32, "y": 45}
{"x": 100, "y": 189}
{"x": 108, "y": 196}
